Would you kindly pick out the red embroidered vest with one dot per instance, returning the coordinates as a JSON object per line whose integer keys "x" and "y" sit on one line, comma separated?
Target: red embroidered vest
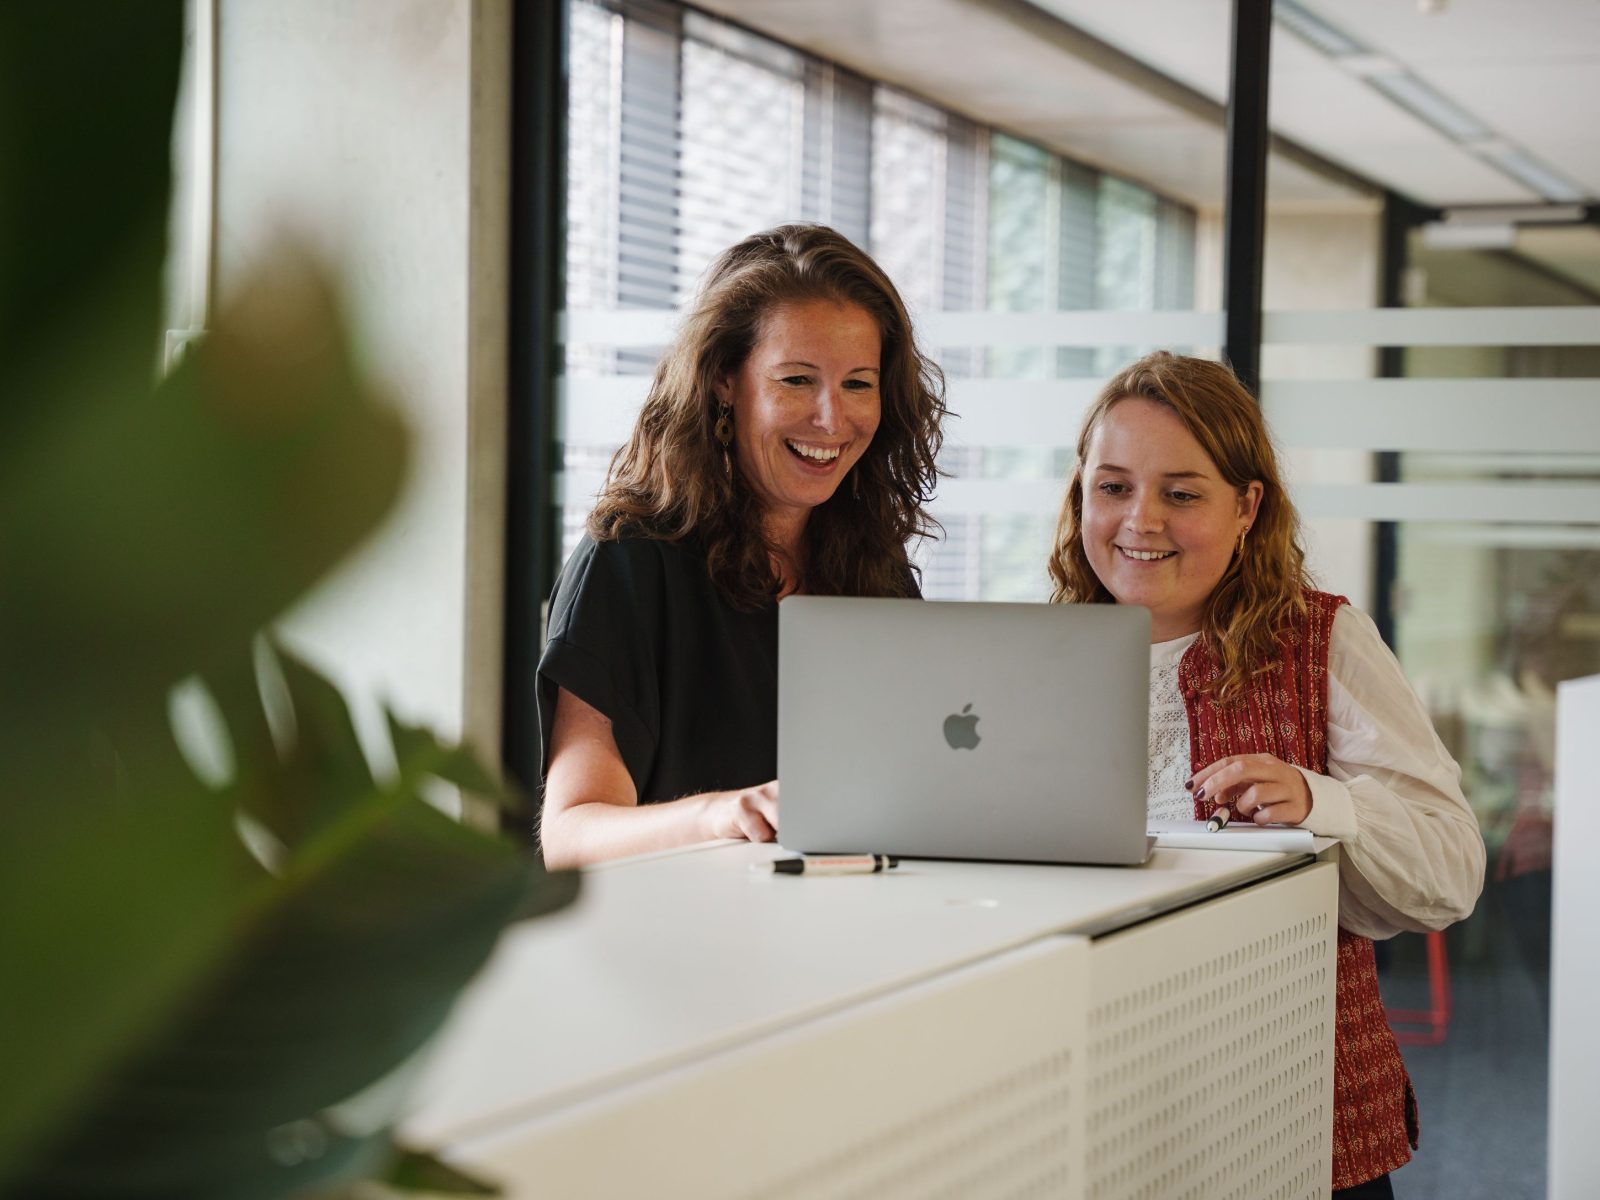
{"x": 1286, "y": 713}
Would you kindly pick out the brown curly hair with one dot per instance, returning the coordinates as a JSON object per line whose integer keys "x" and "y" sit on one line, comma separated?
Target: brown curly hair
{"x": 672, "y": 479}
{"x": 1264, "y": 585}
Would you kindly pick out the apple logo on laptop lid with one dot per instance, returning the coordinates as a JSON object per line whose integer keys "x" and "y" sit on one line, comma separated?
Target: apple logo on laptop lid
{"x": 961, "y": 730}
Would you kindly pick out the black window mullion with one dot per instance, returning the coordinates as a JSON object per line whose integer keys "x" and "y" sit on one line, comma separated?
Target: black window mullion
{"x": 537, "y": 298}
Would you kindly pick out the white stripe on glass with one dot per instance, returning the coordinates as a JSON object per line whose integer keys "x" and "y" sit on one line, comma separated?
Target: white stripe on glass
{"x": 1460, "y": 415}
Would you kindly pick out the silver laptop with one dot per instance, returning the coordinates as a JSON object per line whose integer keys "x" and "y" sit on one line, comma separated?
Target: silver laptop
{"x": 1014, "y": 732}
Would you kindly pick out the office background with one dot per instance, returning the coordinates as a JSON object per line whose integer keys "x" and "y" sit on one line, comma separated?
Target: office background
{"x": 1047, "y": 184}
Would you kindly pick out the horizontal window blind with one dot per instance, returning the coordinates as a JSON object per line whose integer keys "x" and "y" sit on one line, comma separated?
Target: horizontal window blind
{"x": 688, "y": 133}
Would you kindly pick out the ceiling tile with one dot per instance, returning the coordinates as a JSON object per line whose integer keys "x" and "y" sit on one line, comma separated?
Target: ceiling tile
{"x": 1529, "y": 68}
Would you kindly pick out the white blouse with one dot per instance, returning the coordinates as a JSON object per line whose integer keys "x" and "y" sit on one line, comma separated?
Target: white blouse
{"x": 1412, "y": 856}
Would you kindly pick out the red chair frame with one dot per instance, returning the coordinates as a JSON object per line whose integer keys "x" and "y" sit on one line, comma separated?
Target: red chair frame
{"x": 1427, "y": 1026}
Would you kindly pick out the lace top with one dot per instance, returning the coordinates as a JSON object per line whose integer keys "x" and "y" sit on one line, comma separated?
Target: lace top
{"x": 1412, "y": 856}
{"x": 1169, "y": 734}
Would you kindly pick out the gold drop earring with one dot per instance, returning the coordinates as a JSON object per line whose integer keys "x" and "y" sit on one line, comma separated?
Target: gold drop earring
{"x": 723, "y": 432}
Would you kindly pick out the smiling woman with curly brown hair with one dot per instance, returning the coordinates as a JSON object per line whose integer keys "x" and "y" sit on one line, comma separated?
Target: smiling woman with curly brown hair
{"x": 786, "y": 445}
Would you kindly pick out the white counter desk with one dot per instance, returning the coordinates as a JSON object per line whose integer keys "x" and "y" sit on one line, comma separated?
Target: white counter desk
{"x": 694, "y": 1028}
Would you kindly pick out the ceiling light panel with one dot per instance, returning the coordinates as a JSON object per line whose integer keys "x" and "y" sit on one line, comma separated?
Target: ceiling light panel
{"x": 1306, "y": 25}
{"x": 1392, "y": 78}
{"x": 1529, "y": 171}
{"x": 1369, "y": 66}
{"x": 1423, "y": 101}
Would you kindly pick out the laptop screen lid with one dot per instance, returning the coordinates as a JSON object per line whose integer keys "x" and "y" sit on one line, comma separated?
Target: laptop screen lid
{"x": 936, "y": 729}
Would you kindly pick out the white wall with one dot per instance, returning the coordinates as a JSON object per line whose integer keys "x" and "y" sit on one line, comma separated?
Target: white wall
{"x": 1574, "y": 963}
{"x": 378, "y": 130}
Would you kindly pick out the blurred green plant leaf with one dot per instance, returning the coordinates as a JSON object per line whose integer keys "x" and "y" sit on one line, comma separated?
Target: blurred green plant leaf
{"x": 453, "y": 764}
{"x": 111, "y": 908}
{"x": 147, "y": 540}
{"x": 200, "y": 986}
{"x": 411, "y": 1175}
{"x": 417, "y": 1171}
{"x": 86, "y": 102}
{"x": 329, "y": 975}
{"x": 300, "y": 796}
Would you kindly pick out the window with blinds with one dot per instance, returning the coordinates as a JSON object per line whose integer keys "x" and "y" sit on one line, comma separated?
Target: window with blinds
{"x": 688, "y": 133}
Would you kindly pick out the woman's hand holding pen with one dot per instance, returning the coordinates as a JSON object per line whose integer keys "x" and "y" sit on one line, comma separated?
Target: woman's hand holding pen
{"x": 1258, "y": 787}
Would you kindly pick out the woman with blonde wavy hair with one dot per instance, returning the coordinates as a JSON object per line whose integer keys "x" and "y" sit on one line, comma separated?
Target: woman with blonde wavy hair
{"x": 1270, "y": 701}
{"x": 787, "y": 444}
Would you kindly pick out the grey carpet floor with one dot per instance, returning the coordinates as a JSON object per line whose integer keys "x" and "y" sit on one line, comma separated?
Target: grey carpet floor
{"x": 1482, "y": 1093}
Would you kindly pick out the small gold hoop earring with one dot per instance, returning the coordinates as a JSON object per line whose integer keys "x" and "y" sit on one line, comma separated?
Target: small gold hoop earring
{"x": 723, "y": 429}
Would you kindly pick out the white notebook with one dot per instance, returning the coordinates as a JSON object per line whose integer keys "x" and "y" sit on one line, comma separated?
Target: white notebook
{"x": 1193, "y": 835}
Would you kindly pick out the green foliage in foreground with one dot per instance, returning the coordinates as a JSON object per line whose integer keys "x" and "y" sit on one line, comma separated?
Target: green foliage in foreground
{"x": 210, "y": 988}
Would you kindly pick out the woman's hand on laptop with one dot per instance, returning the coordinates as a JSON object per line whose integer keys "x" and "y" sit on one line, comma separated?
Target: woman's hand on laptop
{"x": 592, "y": 812}
{"x": 750, "y": 813}
{"x": 1258, "y": 787}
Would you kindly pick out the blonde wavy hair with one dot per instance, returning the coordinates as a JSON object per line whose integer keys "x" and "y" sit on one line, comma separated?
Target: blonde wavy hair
{"x": 1264, "y": 585}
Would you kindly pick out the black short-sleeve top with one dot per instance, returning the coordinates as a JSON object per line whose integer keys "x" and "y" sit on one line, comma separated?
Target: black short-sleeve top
{"x": 690, "y": 684}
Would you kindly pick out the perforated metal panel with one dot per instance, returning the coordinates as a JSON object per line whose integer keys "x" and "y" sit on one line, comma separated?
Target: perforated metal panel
{"x": 1210, "y": 1050}
{"x": 1008, "y": 1136}
{"x": 967, "y": 1085}
{"x": 1188, "y": 1056}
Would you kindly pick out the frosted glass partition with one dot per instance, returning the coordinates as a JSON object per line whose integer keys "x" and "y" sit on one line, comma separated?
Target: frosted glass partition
{"x": 1523, "y": 416}
{"x": 1489, "y": 573}
{"x": 1496, "y": 417}
{"x": 997, "y": 414}
{"x": 1560, "y": 326}
{"x": 1499, "y": 454}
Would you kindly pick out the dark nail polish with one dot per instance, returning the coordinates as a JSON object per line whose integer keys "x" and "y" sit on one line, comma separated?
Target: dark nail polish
{"x": 1200, "y": 795}
{"x": 1188, "y": 785}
